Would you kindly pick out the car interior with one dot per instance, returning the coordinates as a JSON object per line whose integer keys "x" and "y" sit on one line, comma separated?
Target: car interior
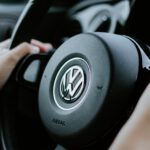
{"x": 78, "y": 95}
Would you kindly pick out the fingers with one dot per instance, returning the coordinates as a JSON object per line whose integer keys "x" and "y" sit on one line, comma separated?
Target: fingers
{"x": 5, "y": 44}
{"x": 43, "y": 46}
{"x": 22, "y": 50}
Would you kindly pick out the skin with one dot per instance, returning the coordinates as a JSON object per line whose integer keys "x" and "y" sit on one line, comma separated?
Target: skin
{"x": 9, "y": 58}
{"x": 135, "y": 135}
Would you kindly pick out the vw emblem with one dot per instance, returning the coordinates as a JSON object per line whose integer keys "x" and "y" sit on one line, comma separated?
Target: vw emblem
{"x": 72, "y": 83}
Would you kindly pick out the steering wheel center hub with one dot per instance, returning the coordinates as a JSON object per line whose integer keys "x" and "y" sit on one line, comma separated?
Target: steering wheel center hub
{"x": 78, "y": 95}
{"x": 73, "y": 88}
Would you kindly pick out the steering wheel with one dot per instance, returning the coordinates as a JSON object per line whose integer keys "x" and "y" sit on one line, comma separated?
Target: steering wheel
{"x": 83, "y": 92}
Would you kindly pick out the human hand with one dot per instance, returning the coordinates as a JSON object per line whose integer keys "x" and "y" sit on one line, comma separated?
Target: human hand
{"x": 135, "y": 135}
{"x": 10, "y": 58}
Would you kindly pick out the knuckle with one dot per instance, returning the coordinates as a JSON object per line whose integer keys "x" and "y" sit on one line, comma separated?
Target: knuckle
{"x": 25, "y": 45}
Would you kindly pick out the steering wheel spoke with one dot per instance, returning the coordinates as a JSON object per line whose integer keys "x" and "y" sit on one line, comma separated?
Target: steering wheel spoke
{"x": 30, "y": 70}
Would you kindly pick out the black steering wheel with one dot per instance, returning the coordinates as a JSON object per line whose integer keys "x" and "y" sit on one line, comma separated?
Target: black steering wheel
{"x": 83, "y": 92}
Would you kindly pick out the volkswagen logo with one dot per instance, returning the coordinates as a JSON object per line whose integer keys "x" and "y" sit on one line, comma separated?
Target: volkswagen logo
{"x": 72, "y": 83}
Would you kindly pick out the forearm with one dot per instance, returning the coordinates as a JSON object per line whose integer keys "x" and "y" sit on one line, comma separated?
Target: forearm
{"x": 135, "y": 135}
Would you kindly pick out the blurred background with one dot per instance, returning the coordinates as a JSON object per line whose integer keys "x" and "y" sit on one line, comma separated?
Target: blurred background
{"x": 69, "y": 17}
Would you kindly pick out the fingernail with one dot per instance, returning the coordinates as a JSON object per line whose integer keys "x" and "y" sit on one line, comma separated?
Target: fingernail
{"x": 35, "y": 49}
